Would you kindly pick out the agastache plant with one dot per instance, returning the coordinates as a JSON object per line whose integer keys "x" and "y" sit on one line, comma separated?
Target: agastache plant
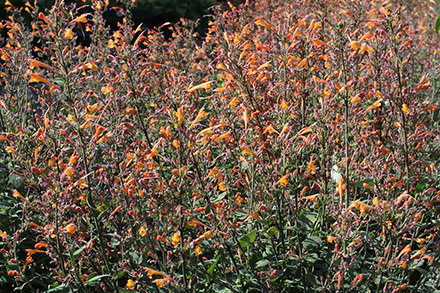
{"x": 293, "y": 146}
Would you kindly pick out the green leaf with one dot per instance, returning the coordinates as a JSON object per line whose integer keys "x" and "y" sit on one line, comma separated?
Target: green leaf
{"x": 248, "y": 239}
{"x": 272, "y": 232}
{"x": 311, "y": 257}
{"x": 214, "y": 264}
{"x": 95, "y": 279}
{"x": 59, "y": 288}
{"x": 261, "y": 263}
{"x": 79, "y": 250}
{"x": 17, "y": 181}
{"x": 307, "y": 221}
{"x": 219, "y": 197}
{"x": 437, "y": 25}
{"x": 312, "y": 242}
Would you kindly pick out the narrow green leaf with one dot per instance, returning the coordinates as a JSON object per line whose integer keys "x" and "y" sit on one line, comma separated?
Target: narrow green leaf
{"x": 212, "y": 267}
{"x": 96, "y": 279}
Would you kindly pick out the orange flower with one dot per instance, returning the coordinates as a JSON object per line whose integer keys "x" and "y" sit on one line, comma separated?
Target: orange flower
{"x": 313, "y": 197}
{"x": 203, "y": 236}
{"x": 357, "y": 279}
{"x": 17, "y": 194}
{"x": 360, "y": 206}
{"x": 162, "y": 282}
{"x": 312, "y": 165}
{"x": 10, "y": 150}
{"x": 246, "y": 150}
{"x": 161, "y": 238}
{"x": 404, "y": 251}
{"x": 198, "y": 250}
{"x": 29, "y": 260}
{"x": 130, "y": 284}
{"x": 261, "y": 22}
{"x": 176, "y": 238}
{"x": 151, "y": 273}
{"x": 193, "y": 222}
{"x": 70, "y": 228}
{"x": 283, "y": 181}
{"x": 331, "y": 239}
{"x": 68, "y": 34}
{"x": 142, "y": 231}
{"x": 356, "y": 241}
{"x": 179, "y": 115}
{"x": 200, "y": 115}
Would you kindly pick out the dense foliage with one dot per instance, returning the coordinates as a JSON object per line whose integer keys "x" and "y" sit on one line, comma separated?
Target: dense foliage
{"x": 294, "y": 149}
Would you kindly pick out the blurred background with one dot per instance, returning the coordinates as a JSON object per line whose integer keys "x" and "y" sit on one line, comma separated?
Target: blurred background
{"x": 149, "y": 13}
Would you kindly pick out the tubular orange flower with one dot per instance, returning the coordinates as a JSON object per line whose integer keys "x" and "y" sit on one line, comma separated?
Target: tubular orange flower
{"x": 193, "y": 222}
{"x": 405, "y": 109}
{"x": 10, "y": 150}
{"x": 246, "y": 150}
{"x": 161, "y": 238}
{"x": 203, "y": 236}
{"x": 17, "y": 194}
{"x": 33, "y": 251}
{"x": 29, "y": 260}
{"x": 206, "y": 86}
{"x": 357, "y": 279}
{"x": 319, "y": 43}
{"x": 38, "y": 78}
{"x": 82, "y": 18}
{"x": 404, "y": 251}
{"x": 261, "y": 22}
{"x": 151, "y": 273}
{"x": 162, "y": 282}
{"x": 200, "y": 115}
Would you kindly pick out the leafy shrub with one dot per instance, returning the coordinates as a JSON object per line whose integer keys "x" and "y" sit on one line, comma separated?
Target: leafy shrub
{"x": 295, "y": 149}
